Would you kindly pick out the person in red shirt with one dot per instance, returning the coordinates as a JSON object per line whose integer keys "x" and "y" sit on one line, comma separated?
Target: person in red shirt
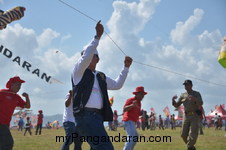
{"x": 39, "y": 124}
{"x": 9, "y": 100}
{"x": 131, "y": 115}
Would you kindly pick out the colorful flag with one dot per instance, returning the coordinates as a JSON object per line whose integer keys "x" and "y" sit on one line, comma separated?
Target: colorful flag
{"x": 152, "y": 110}
{"x": 166, "y": 111}
{"x": 111, "y": 100}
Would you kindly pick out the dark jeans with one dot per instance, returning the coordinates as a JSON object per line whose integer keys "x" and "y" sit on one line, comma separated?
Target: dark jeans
{"x": 39, "y": 127}
{"x": 90, "y": 125}
{"x": 6, "y": 139}
{"x": 71, "y": 133}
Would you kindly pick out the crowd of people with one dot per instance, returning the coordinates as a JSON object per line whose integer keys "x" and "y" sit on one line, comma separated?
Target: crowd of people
{"x": 149, "y": 121}
{"x": 87, "y": 106}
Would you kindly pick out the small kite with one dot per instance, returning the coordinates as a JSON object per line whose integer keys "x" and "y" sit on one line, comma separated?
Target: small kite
{"x": 222, "y": 54}
{"x": 10, "y": 16}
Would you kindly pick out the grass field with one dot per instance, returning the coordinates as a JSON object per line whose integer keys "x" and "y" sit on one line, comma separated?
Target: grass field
{"x": 211, "y": 140}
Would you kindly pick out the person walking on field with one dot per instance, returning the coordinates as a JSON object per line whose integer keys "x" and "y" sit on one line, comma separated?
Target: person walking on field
{"x": 28, "y": 127}
{"x": 131, "y": 115}
{"x": 9, "y": 100}
{"x": 39, "y": 124}
{"x": 192, "y": 101}
{"x": 20, "y": 124}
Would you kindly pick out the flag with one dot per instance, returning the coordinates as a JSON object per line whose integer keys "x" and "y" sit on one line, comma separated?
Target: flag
{"x": 152, "y": 110}
{"x": 166, "y": 111}
{"x": 111, "y": 100}
{"x": 181, "y": 109}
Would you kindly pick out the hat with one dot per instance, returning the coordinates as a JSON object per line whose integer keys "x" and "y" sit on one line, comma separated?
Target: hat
{"x": 187, "y": 82}
{"x": 13, "y": 80}
{"x": 40, "y": 111}
{"x": 140, "y": 89}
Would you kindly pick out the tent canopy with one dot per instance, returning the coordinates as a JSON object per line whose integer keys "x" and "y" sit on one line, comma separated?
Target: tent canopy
{"x": 219, "y": 110}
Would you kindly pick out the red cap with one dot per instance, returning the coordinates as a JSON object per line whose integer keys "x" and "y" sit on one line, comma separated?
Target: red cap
{"x": 140, "y": 89}
{"x": 13, "y": 80}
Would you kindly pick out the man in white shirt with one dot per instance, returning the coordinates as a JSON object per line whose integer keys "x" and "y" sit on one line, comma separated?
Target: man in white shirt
{"x": 91, "y": 105}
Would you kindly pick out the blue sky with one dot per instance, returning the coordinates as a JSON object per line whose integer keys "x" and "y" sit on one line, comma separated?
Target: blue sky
{"x": 183, "y": 36}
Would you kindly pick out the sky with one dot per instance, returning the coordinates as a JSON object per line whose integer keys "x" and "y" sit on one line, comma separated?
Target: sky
{"x": 174, "y": 40}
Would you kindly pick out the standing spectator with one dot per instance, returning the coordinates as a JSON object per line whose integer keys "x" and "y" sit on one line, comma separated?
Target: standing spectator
{"x": 167, "y": 122}
{"x": 173, "y": 122}
{"x": 91, "y": 105}
{"x": 215, "y": 120}
{"x": 143, "y": 120}
{"x": 28, "y": 126}
{"x": 153, "y": 124}
{"x": 161, "y": 123}
{"x": 131, "y": 115}
{"x": 146, "y": 119}
{"x": 115, "y": 120}
{"x": 224, "y": 125}
{"x": 20, "y": 124}
{"x": 192, "y": 101}
{"x": 69, "y": 124}
{"x": 40, "y": 121}
{"x": 220, "y": 123}
{"x": 202, "y": 119}
{"x": 138, "y": 124}
{"x": 9, "y": 100}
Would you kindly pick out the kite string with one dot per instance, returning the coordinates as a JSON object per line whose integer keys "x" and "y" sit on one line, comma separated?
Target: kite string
{"x": 166, "y": 70}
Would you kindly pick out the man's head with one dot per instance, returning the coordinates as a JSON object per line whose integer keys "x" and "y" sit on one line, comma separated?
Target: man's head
{"x": 94, "y": 60}
{"x": 14, "y": 84}
{"x": 139, "y": 93}
{"x": 188, "y": 85}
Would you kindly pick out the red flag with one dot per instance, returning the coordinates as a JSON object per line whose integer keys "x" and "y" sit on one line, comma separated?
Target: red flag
{"x": 152, "y": 110}
{"x": 181, "y": 109}
{"x": 166, "y": 111}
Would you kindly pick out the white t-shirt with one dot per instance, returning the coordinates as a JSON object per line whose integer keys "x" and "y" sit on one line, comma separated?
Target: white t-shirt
{"x": 68, "y": 111}
{"x": 95, "y": 99}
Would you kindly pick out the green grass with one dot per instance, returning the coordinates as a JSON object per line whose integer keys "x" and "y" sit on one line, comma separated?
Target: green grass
{"x": 211, "y": 140}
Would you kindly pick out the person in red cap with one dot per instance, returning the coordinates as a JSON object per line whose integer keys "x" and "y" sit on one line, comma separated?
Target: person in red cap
{"x": 39, "y": 123}
{"x": 9, "y": 100}
{"x": 131, "y": 114}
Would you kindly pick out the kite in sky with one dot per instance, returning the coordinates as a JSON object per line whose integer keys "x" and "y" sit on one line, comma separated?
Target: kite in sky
{"x": 222, "y": 54}
{"x": 10, "y": 16}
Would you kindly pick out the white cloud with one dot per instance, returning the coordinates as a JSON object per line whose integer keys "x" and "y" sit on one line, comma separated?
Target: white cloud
{"x": 46, "y": 37}
{"x": 181, "y": 34}
{"x": 136, "y": 14}
{"x": 15, "y": 36}
{"x": 66, "y": 37}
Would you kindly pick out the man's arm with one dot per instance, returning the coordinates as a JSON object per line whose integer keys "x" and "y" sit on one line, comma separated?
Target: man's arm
{"x": 69, "y": 98}
{"x": 27, "y": 104}
{"x": 178, "y": 103}
{"x": 83, "y": 62}
{"x": 128, "y": 107}
{"x": 119, "y": 81}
